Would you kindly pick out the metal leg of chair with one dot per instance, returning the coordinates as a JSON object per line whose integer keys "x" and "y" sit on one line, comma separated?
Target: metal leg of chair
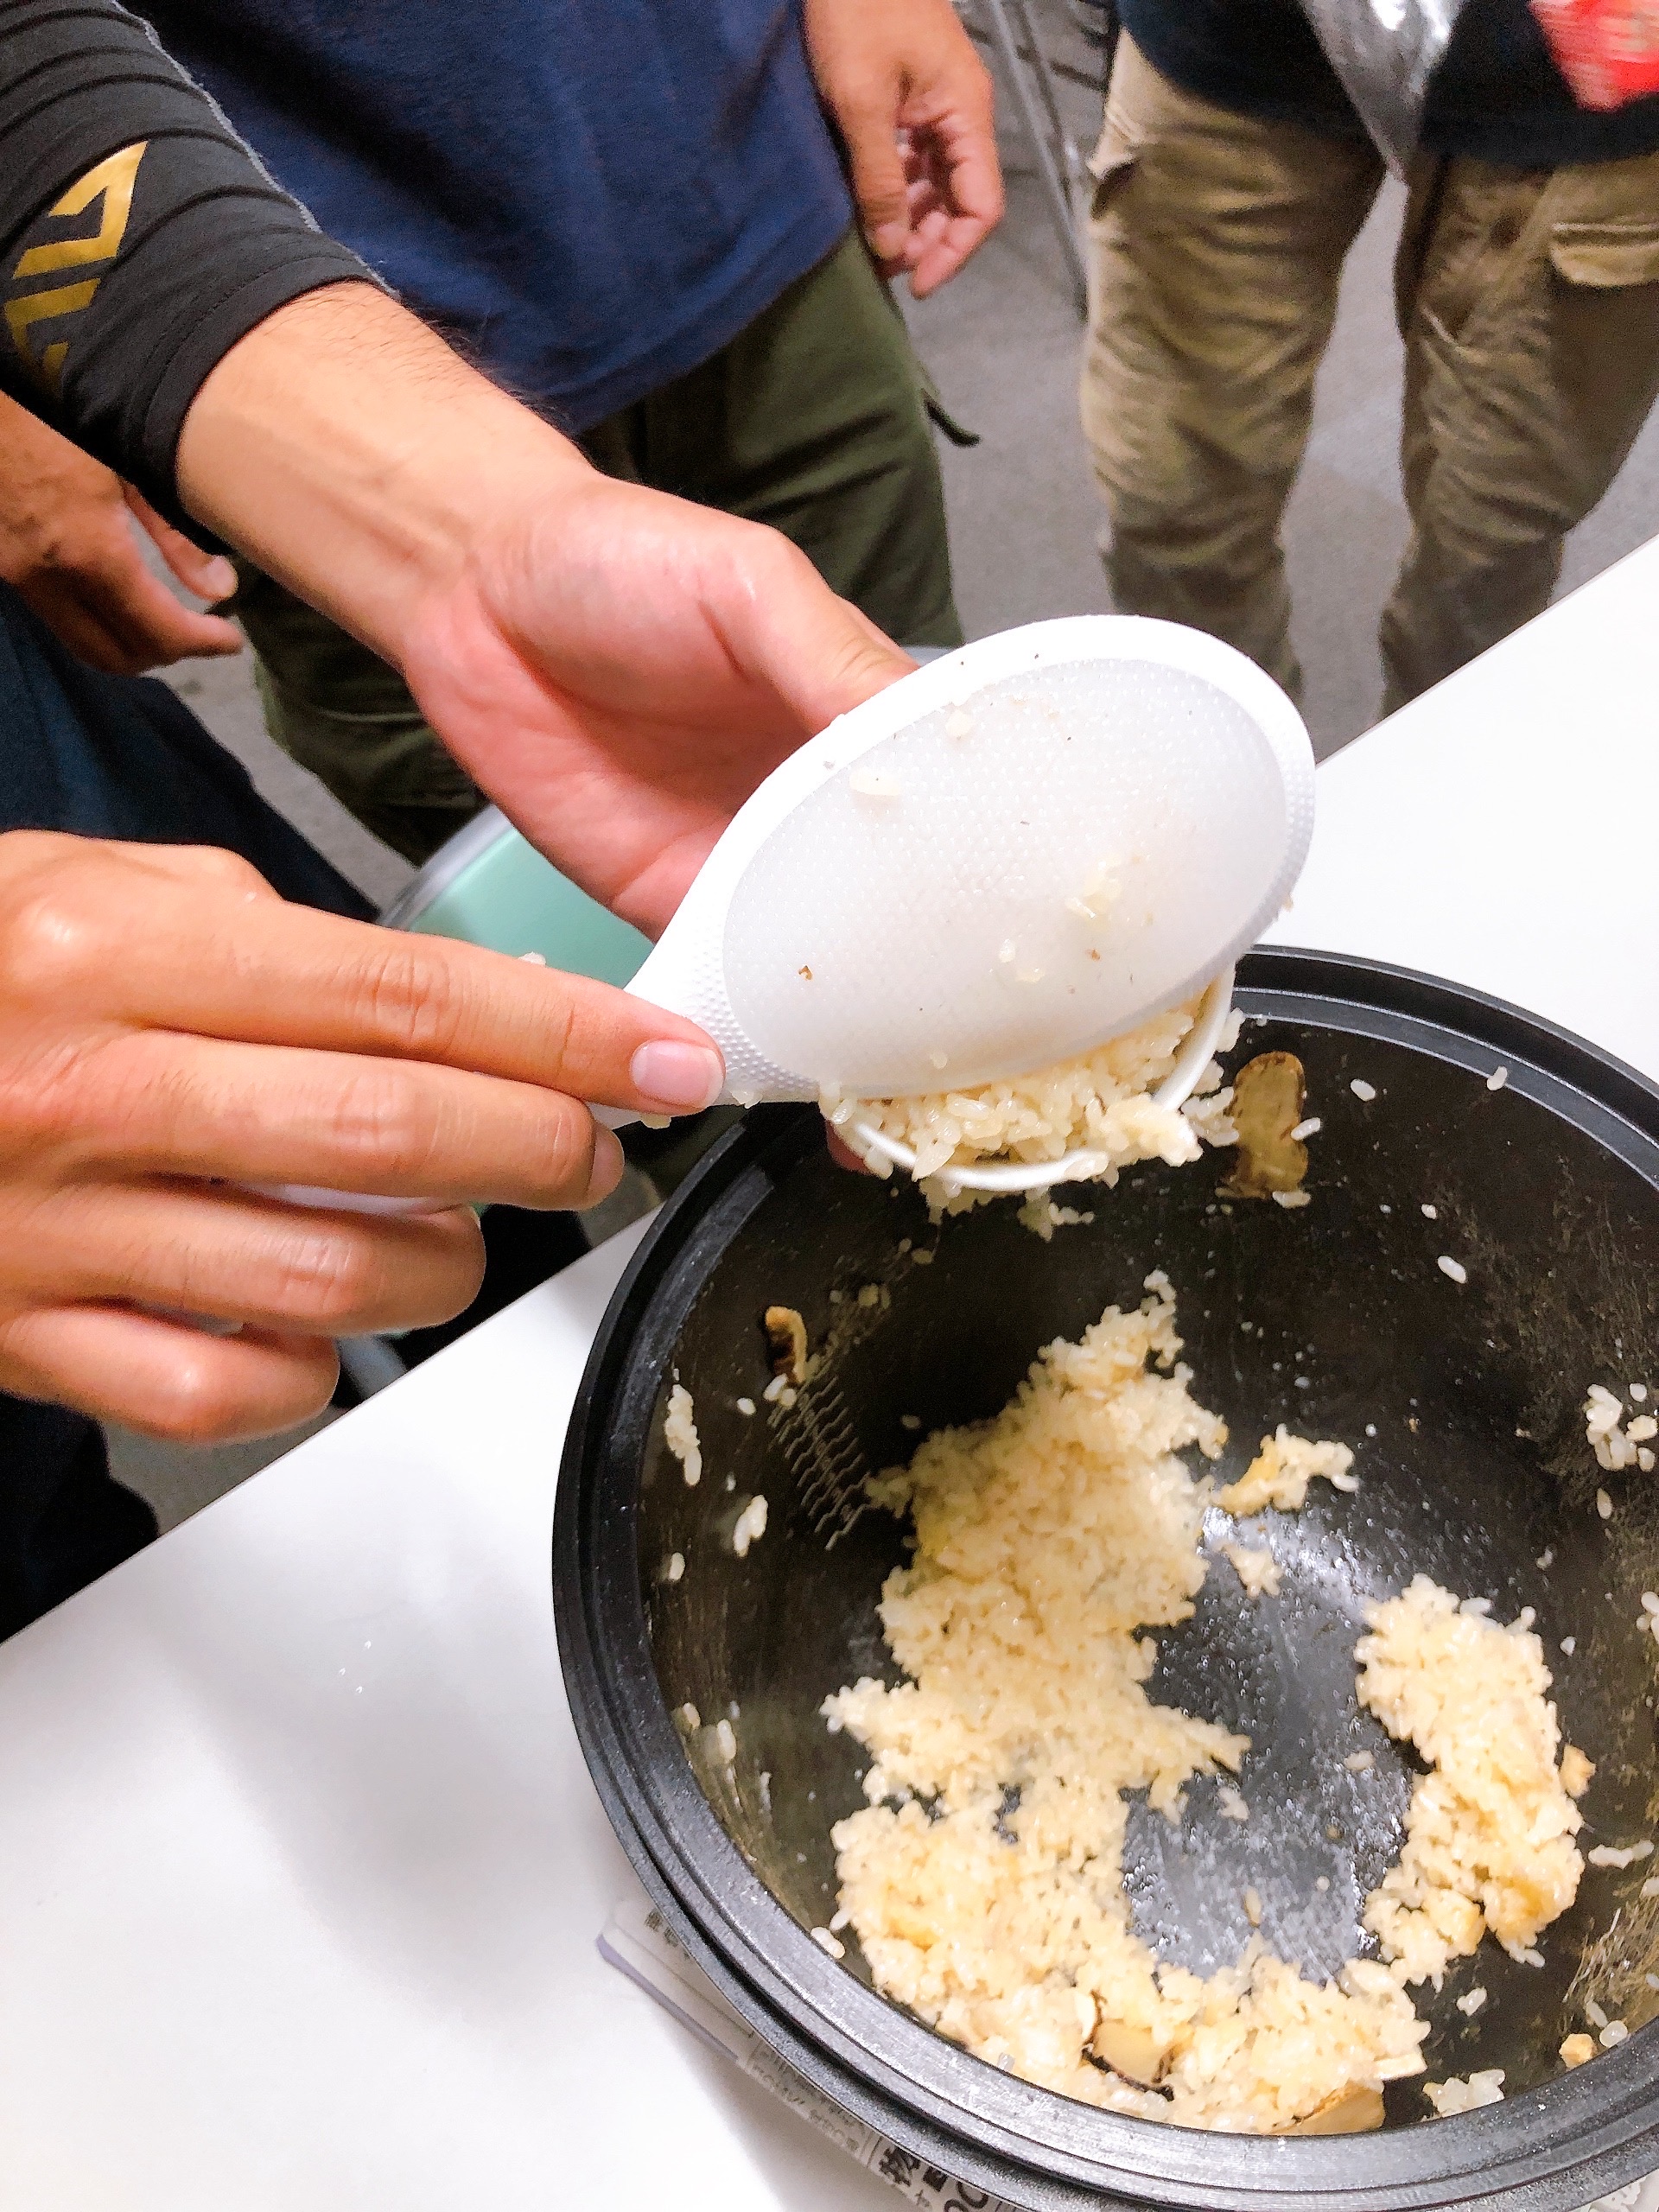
{"x": 1066, "y": 155}
{"x": 1049, "y": 168}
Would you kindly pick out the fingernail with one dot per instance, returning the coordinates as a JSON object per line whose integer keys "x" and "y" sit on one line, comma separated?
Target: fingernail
{"x": 219, "y": 577}
{"x": 606, "y": 1168}
{"x": 682, "y": 1078}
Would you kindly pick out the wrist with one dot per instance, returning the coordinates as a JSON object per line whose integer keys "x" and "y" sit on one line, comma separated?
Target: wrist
{"x": 356, "y": 458}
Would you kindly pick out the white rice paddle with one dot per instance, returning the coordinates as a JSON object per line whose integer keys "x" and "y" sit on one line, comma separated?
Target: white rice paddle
{"x": 1025, "y": 849}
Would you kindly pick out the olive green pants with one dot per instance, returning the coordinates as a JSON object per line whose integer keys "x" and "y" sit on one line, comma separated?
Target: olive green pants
{"x": 814, "y": 419}
{"x": 1528, "y": 302}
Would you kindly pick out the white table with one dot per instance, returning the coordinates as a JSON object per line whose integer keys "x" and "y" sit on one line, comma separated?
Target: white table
{"x": 300, "y": 1868}
{"x": 1500, "y": 829}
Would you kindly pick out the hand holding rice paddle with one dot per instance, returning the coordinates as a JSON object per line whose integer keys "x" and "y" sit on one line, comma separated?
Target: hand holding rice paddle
{"x": 1017, "y": 859}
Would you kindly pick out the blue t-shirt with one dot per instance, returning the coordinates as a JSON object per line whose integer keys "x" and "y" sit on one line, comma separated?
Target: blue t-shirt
{"x": 590, "y": 197}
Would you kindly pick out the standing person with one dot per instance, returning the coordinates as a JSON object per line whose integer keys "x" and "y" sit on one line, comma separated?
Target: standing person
{"x": 634, "y": 215}
{"x": 1233, "y": 175}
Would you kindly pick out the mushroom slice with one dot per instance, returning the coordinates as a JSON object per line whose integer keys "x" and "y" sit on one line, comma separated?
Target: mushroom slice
{"x": 1268, "y": 1095}
{"x": 1352, "y": 2111}
{"x": 786, "y": 1341}
{"x": 1135, "y": 2052}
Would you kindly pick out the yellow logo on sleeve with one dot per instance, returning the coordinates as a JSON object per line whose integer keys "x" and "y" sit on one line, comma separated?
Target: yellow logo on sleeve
{"x": 111, "y": 181}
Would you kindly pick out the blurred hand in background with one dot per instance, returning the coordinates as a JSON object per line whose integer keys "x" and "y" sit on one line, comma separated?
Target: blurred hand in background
{"x": 914, "y": 103}
{"x": 69, "y": 547}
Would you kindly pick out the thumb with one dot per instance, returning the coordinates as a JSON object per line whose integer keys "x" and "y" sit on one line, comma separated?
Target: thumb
{"x": 871, "y": 131}
{"x": 209, "y": 575}
{"x": 822, "y": 655}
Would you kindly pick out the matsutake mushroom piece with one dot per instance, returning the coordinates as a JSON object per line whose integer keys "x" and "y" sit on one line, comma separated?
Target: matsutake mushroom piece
{"x": 786, "y": 1341}
{"x": 1268, "y": 1095}
{"x": 1353, "y": 2111}
{"x": 1129, "y": 2049}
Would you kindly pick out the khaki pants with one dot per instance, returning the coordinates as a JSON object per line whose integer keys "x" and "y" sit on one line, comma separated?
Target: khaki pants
{"x": 1528, "y": 302}
{"x": 814, "y": 419}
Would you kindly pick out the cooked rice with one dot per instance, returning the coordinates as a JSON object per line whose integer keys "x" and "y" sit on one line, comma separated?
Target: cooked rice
{"x": 1047, "y": 1539}
{"x": 1616, "y": 1448}
{"x": 1280, "y": 1473}
{"x": 1042, "y": 1216}
{"x": 1256, "y": 1567}
{"x": 751, "y": 1526}
{"x": 1489, "y": 1833}
{"x": 1456, "y": 2096}
{"x": 1100, "y": 1103}
{"x": 1607, "y": 1855}
{"x": 680, "y": 1435}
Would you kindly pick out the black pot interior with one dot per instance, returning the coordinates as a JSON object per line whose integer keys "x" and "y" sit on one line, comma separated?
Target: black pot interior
{"x": 1334, "y": 1319}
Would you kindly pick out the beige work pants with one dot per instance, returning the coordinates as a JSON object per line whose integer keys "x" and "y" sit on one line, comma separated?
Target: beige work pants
{"x": 1528, "y": 302}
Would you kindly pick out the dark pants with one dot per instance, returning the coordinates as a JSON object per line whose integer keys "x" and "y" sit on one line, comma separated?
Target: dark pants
{"x": 107, "y": 756}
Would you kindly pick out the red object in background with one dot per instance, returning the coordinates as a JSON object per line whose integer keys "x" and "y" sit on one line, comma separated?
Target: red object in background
{"x": 1607, "y": 50}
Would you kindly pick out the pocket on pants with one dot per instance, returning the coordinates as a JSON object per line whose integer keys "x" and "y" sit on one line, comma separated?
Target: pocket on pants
{"x": 1110, "y": 169}
{"x": 1606, "y": 257}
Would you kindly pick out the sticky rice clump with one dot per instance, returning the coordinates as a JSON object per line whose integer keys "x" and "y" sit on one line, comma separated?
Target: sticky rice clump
{"x": 1101, "y": 1102}
{"x": 984, "y": 1879}
{"x": 1489, "y": 1833}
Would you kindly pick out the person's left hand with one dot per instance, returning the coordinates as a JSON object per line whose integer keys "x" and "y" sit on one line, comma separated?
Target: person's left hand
{"x": 914, "y": 103}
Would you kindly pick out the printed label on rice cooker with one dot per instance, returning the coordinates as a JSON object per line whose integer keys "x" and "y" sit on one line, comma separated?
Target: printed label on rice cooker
{"x": 639, "y": 1941}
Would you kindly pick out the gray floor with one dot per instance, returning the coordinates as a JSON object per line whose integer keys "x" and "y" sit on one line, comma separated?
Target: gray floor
{"x": 1002, "y": 342}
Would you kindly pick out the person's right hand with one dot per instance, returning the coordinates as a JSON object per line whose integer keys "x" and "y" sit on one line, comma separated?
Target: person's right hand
{"x": 617, "y": 668}
{"x": 68, "y": 548}
{"x": 170, "y": 1029}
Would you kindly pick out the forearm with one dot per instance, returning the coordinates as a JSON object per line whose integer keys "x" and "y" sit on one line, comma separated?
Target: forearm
{"x": 152, "y": 276}
{"x": 139, "y": 239}
{"x": 352, "y": 454}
